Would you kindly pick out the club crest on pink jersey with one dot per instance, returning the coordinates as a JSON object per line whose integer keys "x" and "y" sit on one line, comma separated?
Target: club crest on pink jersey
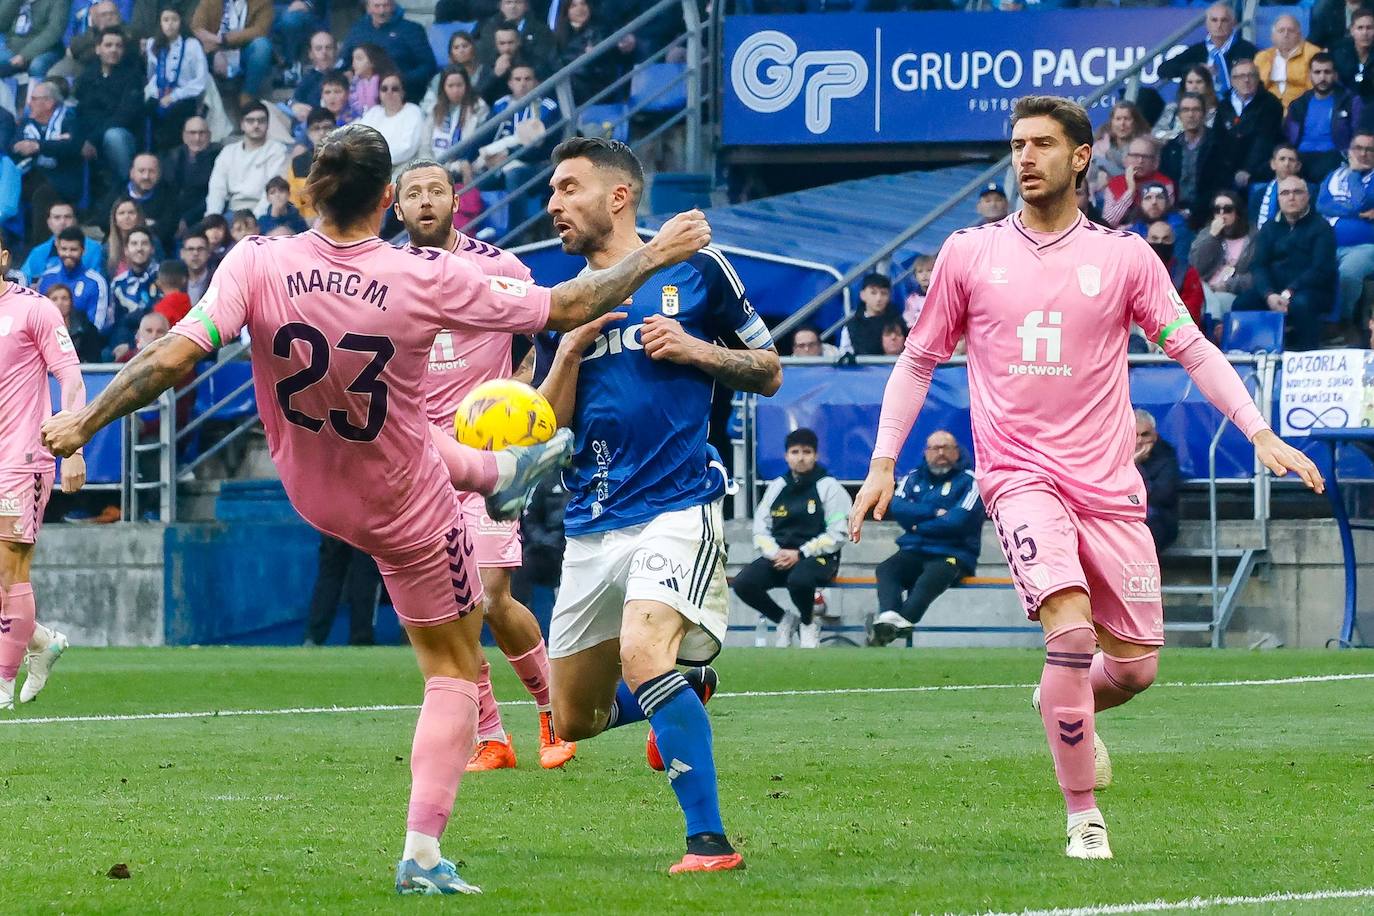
{"x": 1089, "y": 279}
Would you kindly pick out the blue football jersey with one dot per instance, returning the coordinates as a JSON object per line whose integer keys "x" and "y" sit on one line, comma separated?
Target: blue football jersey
{"x": 641, "y": 423}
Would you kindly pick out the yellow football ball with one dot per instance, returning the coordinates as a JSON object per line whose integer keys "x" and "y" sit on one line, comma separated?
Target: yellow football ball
{"x": 501, "y": 413}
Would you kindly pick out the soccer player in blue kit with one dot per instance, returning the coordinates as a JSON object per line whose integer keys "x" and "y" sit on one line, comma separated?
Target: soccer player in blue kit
{"x": 643, "y": 585}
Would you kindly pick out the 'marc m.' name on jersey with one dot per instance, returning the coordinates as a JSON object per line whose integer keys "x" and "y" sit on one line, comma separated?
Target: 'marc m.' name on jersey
{"x": 641, "y": 423}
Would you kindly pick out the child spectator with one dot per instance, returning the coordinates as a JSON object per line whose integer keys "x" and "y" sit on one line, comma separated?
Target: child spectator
{"x": 177, "y": 75}
{"x": 244, "y": 224}
{"x": 172, "y": 277}
{"x": 369, "y": 63}
{"x": 280, "y": 211}
{"x": 456, "y": 113}
{"x": 215, "y": 228}
{"x": 916, "y": 300}
{"x": 894, "y": 336}
{"x": 864, "y": 332}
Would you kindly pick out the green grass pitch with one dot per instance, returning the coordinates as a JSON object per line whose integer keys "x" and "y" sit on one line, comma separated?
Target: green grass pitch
{"x": 865, "y": 799}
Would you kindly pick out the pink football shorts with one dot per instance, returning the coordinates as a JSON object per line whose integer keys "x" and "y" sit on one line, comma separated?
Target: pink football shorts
{"x": 498, "y": 543}
{"x": 23, "y": 497}
{"x": 1050, "y": 547}
{"x": 436, "y": 583}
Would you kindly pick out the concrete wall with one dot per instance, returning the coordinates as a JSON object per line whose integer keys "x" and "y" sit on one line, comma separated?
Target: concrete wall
{"x": 102, "y": 585}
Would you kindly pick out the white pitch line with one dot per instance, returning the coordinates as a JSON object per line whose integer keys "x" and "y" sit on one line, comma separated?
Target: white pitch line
{"x": 1193, "y": 903}
{"x": 743, "y": 694}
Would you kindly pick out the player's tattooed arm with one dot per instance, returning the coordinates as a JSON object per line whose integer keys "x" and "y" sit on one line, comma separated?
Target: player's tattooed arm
{"x": 155, "y": 369}
{"x": 525, "y": 371}
{"x": 755, "y": 371}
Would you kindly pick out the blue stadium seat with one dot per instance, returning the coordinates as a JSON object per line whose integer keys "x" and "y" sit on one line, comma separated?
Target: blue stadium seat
{"x": 608, "y": 121}
{"x": 439, "y": 36}
{"x": 660, "y": 88}
{"x": 1253, "y": 332}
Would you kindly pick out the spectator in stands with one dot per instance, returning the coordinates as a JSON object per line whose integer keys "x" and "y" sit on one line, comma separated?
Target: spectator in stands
{"x": 1154, "y": 206}
{"x": 334, "y": 98}
{"x": 992, "y": 205}
{"x": 84, "y": 25}
{"x": 940, "y": 514}
{"x": 318, "y": 126}
{"x": 187, "y": 170}
{"x": 400, "y": 122}
{"x": 125, "y": 216}
{"x": 1321, "y": 121}
{"x": 86, "y": 340}
{"x": 292, "y": 27}
{"x": 90, "y": 292}
{"x": 799, "y": 528}
{"x": 324, "y": 60}
{"x": 1198, "y": 81}
{"x": 369, "y": 63}
{"x": 864, "y": 331}
{"x": 133, "y": 291}
{"x": 1222, "y": 252}
{"x": 1158, "y": 465}
{"x": 1122, "y": 196}
{"x": 195, "y": 254}
{"x": 243, "y": 224}
{"x": 239, "y": 179}
{"x": 343, "y": 569}
{"x": 405, "y": 42}
{"x": 1114, "y": 137}
{"x": 178, "y": 73}
{"x": 109, "y": 95}
{"x": 1220, "y": 51}
{"x": 1253, "y": 120}
{"x": 1346, "y": 200}
{"x": 1264, "y": 199}
{"x": 580, "y": 29}
{"x": 1283, "y": 68}
{"x": 1351, "y": 54}
{"x": 1293, "y": 270}
{"x": 48, "y": 151}
{"x": 171, "y": 283}
{"x": 536, "y": 41}
{"x": 144, "y": 20}
{"x": 60, "y": 215}
{"x": 1330, "y": 20}
{"x": 521, "y": 145}
{"x": 894, "y": 336}
{"x": 280, "y": 211}
{"x": 1086, "y": 205}
{"x": 155, "y": 199}
{"x": 506, "y": 51}
{"x": 31, "y": 36}
{"x": 456, "y": 114}
{"x": 1187, "y": 283}
{"x": 235, "y": 35}
{"x": 916, "y": 299}
{"x": 806, "y": 341}
{"x": 215, "y": 228}
{"x": 1197, "y": 160}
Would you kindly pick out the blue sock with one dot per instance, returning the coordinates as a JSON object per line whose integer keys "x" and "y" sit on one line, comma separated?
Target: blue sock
{"x": 624, "y": 708}
{"x": 684, "y": 740}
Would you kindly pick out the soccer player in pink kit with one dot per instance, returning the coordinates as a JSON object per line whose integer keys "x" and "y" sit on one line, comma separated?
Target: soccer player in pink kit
{"x": 33, "y": 343}
{"x": 342, "y": 325}
{"x": 459, "y": 362}
{"x": 1045, "y": 300}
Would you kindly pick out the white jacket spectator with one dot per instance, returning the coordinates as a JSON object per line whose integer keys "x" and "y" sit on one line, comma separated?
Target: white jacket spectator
{"x": 402, "y": 123}
{"x": 180, "y": 68}
{"x": 239, "y": 178}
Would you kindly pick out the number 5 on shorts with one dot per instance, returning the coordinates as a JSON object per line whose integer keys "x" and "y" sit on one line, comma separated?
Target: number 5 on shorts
{"x": 1026, "y": 549}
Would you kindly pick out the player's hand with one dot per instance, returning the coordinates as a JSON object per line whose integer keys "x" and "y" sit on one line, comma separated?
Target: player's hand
{"x": 580, "y": 338}
{"x": 664, "y": 339}
{"x": 875, "y": 494}
{"x": 73, "y": 473}
{"x": 786, "y": 558}
{"x": 1280, "y": 457}
{"x": 681, "y": 237}
{"x": 62, "y": 433}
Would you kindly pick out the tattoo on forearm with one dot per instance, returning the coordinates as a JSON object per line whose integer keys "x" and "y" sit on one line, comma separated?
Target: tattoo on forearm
{"x": 600, "y": 291}
{"x": 743, "y": 370}
{"x": 137, "y": 385}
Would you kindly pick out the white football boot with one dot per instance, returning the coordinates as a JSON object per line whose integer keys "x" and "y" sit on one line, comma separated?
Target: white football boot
{"x": 810, "y": 635}
{"x": 787, "y": 630}
{"x": 40, "y": 666}
{"x": 1088, "y": 840}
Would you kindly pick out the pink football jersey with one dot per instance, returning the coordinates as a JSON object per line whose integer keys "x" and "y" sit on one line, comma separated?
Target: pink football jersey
{"x": 33, "y": 343}
{"x": 462, "y": 360}
{"x": 341, "y": 336}
{"x": 1046, "y": 319}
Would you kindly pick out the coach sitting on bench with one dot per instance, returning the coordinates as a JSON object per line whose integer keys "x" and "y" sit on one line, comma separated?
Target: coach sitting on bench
{"x": 799, "y": 528}
{"x": 941, "y": 515}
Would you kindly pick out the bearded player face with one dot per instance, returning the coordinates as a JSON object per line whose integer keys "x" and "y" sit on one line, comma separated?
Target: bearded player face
{"x": 581, "y": 204}
{"x": 425, "y": 203}
{"x": 1045, "y": 160}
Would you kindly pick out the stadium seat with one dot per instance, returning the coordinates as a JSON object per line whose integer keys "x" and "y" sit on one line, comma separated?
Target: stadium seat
{"x": 675, "y": 192}
{"x": 439, "y": 36}
{"x": 1253, "y": 332}
{"x": 610, "y": 122}
{"x": 659, "y": 88}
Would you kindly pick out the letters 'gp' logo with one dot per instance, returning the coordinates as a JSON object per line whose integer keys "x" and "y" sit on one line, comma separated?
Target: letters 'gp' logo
{"x": 767, "y": 74}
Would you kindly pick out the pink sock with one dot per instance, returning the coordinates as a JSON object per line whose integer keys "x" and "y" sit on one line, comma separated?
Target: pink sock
{"x": 1116, "y": 680}
{"x": 444, "y": 737}
{"x": 488, "y": 713}
{"x": 533, "y": 669}
{"x": 1066, "y": 706}
{"x": 17, "y": 620}
{"x": 470, "y": 470}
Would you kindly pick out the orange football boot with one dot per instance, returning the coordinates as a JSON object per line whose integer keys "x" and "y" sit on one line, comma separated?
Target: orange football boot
{"x": 553, "y": 750}
{"x": 693, "y": 862}
{"x": 492, "y": 755}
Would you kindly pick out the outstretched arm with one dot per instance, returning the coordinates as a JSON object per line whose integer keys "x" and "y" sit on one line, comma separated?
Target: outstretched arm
{"x": 155, "y": 369}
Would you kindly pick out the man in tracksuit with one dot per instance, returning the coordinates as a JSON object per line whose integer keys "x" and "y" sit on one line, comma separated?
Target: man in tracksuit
{"x": 941, "y": 515}
{"x": 799, "y": 528}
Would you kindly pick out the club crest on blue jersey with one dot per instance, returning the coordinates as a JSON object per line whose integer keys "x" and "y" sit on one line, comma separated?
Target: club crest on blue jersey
{"x": 670, "y": 301}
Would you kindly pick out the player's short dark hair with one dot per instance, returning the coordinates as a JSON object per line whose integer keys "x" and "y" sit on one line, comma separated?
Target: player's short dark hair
{"x": 72, "y": 234}
{"x": 414, "y": 165}
{"x": 1322, "y": 57}
{"x": 876, "y": 279}
{"x": 349, "y": 174}
{"x": 1067, "y": 113}
{"x": 604, "y": 153}
{"x": 320, "y": 115}
{"x": 803, "y": 437}
{"x": 172, "y": 273}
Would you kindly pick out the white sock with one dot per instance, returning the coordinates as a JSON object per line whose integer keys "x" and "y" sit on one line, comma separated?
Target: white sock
{"x": 1082, "y": 817}
{"x": 505, "y": 469}
{"x": 422, "y": 848}
{"x": 543, "y": 709}
{"x": 40, "y": 639}
{"x": 498, "y": 735}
